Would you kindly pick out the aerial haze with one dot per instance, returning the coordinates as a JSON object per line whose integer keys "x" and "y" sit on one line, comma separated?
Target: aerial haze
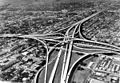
{"x": 2, "y": 2}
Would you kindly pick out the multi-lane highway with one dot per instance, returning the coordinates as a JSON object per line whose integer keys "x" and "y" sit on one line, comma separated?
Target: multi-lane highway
{"x": 69, "y": 49}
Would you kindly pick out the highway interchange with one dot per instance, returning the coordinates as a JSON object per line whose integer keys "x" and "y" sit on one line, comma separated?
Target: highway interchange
{"x": 59, "y": 63}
